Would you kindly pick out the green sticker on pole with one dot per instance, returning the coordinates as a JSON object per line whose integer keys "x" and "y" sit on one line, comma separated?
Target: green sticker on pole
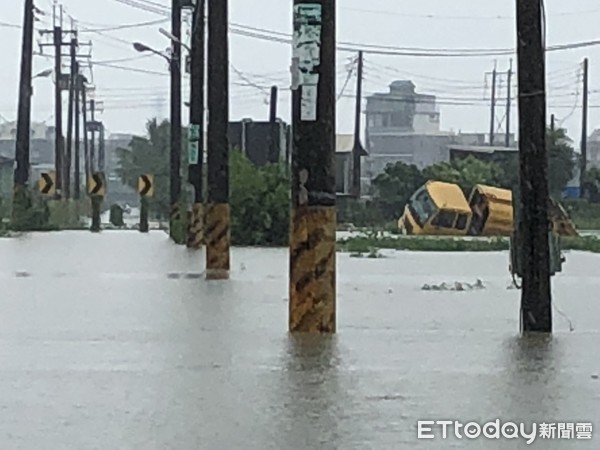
{"x": 193, "y": 144}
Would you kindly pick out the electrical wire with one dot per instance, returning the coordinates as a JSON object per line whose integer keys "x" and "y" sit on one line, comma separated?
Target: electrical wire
{"x": 124, "y": 27}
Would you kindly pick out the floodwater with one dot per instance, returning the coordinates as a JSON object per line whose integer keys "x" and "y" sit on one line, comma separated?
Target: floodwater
{"x": 116, "y": 341}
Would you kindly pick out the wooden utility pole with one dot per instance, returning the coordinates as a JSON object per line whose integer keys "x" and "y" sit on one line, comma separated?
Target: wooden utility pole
{"x": 357, "y": 149}
{"x": 508, "y": 104}
{"x": 312, "y": 306}
{"x": 196, "y": 131}
{"x": 218, "y": 221}
{"x": 21, "y": 176}
{"x": 552, "y": 123}
{"x": 534, "y": 225}
{"x": 175, "y": 155}
{"x": 584, "y": 128}
{"x": 493, "y": 111}
{"x": 70, "y": 118}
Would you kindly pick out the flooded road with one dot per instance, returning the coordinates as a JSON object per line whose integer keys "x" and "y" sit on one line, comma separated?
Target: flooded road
{"x": 116, "y": 341}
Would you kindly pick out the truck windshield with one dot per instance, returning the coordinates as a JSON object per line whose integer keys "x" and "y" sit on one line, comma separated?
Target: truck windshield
{"x": 422, "y": 207}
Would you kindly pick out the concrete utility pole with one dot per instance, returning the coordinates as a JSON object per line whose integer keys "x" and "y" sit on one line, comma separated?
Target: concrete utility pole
{"x": 175, "y": 165}
{"x": 274, "y": 144}
{"x": 357, "y": 149}
{"x": 93, "y": 140}
{"x": 534, "y": 225}
{"x": 493, "y": 112}
{"x": 584, "y": 128}
{"x": 58, "y": 136}
{"x": 70, "y": 117}
{"x": 77, "y": 176}
{"x": 86, "y": 146}
{"x": 218, "y": 228}
{"x": 196, "y": 131}
{"x": 508, "y": 104}
{"x": 21, "y": 176}
{"x": 312, "y": 278}
{"x": 101, "y": 149}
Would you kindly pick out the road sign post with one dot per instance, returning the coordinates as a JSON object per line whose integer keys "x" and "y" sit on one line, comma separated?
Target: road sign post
{"x": 97, "y": 191}
{"x": 47, "y": 183}
{"x": 146, "y": 190}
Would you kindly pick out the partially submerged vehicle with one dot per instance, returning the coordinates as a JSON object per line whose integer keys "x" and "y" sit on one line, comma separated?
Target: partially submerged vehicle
{"x": 492, "y": 211}
{"x": 441, "y": 209}
{"x": 436, "y": 208}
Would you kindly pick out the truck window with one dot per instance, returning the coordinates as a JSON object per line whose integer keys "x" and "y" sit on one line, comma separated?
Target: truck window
{"x": 421, "y": 207}
{"x": 445, "y": 219}
{"x": 461, "y": 222}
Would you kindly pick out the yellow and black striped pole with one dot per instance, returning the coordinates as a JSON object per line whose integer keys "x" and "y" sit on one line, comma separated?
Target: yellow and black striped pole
{"x": 175, "y": 218}
{"x": 312, "y": 305}
{"x": 196, "y": 130}
{"x": 217, "y": 218}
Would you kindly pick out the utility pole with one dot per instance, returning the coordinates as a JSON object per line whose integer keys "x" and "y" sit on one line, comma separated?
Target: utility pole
{"x": 534, "y": 224}
{"x": 72, "y": 83}
{"x": 552, "y": 123}
{"x": 77, "y": 177}
{"x": 175, "y": 164}
{"x": 273, "y": 105}
{"x": 218, "y": 228}
{"x": 86, "y": 146}
{"x": 493, "y": 112}
{"x": 312, "y": 279}
{"x": 93, "y": 140}
{"x": 58, "y": 137}
{"x": 21, "y": 175}
{"x": 357, "y": 149}
{"x": 196, "y": 132}
{"x": 508, "y": 104}
{"x": 584, "y": 132}
{"x": 274, "y": 144}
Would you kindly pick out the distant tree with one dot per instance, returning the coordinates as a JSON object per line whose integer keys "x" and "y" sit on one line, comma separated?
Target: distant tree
{"x": 260, "y": 202}
{"x": 394, "y": 188}
{"x": 592, "y": 184}
{"x": 562, "y": 160}
{"x": 151, "y": 155}
{"x": 466, "y": 173}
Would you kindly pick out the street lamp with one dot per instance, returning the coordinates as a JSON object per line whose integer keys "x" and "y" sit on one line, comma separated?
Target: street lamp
{"x": 142, "y": 48}
{"x": 174, "y": 39}
{"x": 43, "y": 74}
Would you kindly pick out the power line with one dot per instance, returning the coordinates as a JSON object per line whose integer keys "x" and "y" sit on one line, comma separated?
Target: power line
{"x": 124, "y": 27}
{"x": 375, "y": 49}
{"x": 456, "y": 17}
{"x": 132, "y": 69}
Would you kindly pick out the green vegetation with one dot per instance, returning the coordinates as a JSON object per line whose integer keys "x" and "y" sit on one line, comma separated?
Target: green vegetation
{"x": 260, "y": 203}
{"x": 150, "y": 155}
{"x": 422, "y": 244}
{"x": 370, "y": 245}
{"x": 259, "y": 196}
{"x": 585, "y": 214}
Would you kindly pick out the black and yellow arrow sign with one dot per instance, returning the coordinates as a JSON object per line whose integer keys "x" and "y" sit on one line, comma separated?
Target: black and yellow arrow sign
{"x": 97, "y": 184}
{"x": 47, "y": 183}
{"x": 146, "y": 185}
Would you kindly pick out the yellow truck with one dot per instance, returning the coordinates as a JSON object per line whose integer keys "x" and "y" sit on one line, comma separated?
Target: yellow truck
{"x": 437, "y": 208}
{"x": 492, "y": 211}
{"x": 441, "y": 209}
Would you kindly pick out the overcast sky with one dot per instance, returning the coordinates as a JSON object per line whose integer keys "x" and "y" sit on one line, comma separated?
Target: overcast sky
{"x": 130, "y": 98}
